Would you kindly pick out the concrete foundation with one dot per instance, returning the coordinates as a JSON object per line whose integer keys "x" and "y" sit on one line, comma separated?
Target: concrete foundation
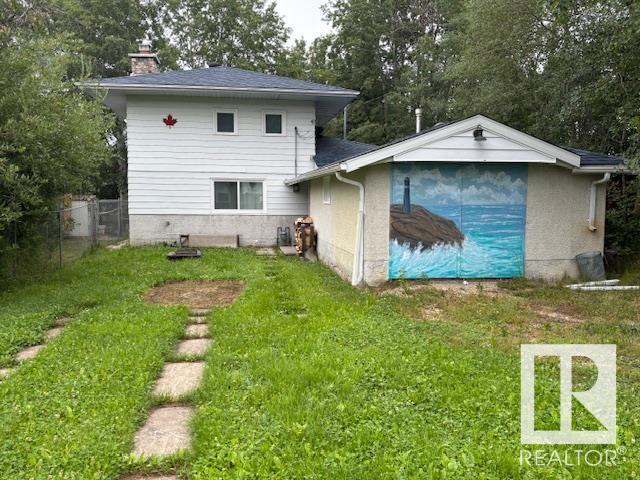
{"x": 252, "y": 230}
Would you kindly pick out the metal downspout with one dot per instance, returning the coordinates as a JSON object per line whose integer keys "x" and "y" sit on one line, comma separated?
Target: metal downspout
{"x": 592, "y": 200}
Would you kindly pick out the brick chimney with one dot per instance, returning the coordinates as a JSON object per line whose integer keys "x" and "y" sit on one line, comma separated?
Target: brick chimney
{"x": 145, "y": 61}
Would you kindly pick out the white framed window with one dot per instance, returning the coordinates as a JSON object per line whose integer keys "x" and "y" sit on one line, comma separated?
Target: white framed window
{"x": 238, "y": 196}
{"x": 225, "y": 121}
{"x": 326, "y": 190}
{"x": 274, "y": 124}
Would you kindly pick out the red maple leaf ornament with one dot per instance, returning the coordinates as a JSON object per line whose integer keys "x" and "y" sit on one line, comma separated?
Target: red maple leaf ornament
{"x": 170, "y": 121}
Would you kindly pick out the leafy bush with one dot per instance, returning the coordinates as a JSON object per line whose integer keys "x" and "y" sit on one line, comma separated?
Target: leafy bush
{"x": 622, "y": 232}
{"x": 53, "y": 140}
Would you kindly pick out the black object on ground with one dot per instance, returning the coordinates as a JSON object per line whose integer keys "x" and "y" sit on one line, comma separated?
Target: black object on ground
{"x": 183, "y": 253}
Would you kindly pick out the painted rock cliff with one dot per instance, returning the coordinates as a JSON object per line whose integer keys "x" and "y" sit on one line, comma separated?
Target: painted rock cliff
{"x": 422, "y": 227}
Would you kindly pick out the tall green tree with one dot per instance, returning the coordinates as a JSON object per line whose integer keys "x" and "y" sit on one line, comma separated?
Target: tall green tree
{"x": 53, "y": 140}
{"x": 243, "y": 33}
{"x": 105, "y": 30}
{"x": 390, "y": 50}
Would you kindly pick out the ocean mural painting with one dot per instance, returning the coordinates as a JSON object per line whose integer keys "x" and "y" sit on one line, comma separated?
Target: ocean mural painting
{"x": 457, "y": 221}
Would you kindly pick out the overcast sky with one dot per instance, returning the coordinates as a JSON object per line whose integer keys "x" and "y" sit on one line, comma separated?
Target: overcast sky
{"x": 304, "y": 18}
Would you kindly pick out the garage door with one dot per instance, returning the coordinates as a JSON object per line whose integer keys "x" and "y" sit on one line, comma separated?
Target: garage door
{"x": 457, "y": 220}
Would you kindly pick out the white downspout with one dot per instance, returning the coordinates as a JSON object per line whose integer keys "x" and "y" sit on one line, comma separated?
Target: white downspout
{"x": 358, "y": 257}
{"x": 592, "y": 200}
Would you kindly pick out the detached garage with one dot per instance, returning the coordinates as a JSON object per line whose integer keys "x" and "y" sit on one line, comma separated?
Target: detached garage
{"x": 470, "y": 199}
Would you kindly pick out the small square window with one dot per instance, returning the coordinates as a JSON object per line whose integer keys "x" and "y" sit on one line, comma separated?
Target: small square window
{"x": 273, "y": 123}
{"x": 226, "y": 122}
{"x": 226, "y": 195}
{"x": 326, "y": 190}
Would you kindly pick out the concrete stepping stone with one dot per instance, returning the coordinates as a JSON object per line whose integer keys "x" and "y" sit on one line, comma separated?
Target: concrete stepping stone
{"x": 198, "y": 319}
{"x": 288, "y": 250}
{"x": 196, "y": 312}
{"x": 62, "y": 321}
{"x": 28, "y": 353}
{"x": 266, "y": 252}
{"x": 165, "y": 432}
{"x": 179, "y": 379}
{"x": 198, "y": 331}
{"x": 54, "y": 332}
{"x": 196, "y": 346}
{"x": 5, "y": 372}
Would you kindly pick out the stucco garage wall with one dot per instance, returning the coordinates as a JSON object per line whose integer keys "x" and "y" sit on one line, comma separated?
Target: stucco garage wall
{"x": 376, "y": 229}
{"x": 557, "y": 221}
{"x": 336, "y": 223}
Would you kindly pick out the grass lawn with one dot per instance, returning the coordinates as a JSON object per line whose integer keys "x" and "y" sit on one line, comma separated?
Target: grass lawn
{"x": 307, "y": 378}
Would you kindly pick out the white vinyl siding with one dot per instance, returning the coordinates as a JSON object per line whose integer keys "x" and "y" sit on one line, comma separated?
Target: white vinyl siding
{"x": 171, "y": 170}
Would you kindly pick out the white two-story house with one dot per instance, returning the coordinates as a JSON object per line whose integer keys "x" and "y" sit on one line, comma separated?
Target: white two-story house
{"x": 209, "y": 149}
{"x": 221, "y": 153}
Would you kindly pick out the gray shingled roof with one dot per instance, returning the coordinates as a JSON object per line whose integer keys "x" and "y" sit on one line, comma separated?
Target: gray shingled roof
{"x": 334, "y": 150}
{"x": 331, "y": 150}
{"x": 223, "y": 77}
{"x": 588, "y": 158}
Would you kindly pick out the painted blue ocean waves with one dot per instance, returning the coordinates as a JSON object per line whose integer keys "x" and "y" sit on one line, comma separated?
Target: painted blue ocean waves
{"x": 493, "y": 246}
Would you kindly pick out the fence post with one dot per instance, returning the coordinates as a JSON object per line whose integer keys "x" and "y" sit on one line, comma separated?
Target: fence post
{"x": 119, "y": 218}
{"x": 60, "y": 221}
{"x": 95, "y": 211}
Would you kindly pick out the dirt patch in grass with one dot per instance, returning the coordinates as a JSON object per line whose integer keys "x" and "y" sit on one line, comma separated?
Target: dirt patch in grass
{"x": 196, "y": 293}
{"x": 556, "y": 316}
{"x": 454, "y": 287}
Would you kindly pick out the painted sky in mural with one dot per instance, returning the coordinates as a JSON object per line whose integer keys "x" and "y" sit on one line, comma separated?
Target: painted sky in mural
{"x": 465, "y": 221}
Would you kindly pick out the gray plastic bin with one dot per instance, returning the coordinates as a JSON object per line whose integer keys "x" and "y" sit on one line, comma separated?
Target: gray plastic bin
{"x": 591, "y": 266}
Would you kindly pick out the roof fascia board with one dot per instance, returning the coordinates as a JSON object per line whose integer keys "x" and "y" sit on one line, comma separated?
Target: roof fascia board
{"x": 545, "y": 148}
{"x": 320, "y": 172}
{"x": 132, "y": 88}
{"x": 586, "y": 169}
{"x": 529, "y": 141}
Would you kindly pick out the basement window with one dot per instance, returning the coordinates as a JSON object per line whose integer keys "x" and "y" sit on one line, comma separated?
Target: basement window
{"x": 225, "y": 122}
{"x": 235, "y": 195}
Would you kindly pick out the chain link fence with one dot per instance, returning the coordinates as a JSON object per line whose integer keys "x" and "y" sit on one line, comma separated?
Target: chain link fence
{"x": 54, "y": 239}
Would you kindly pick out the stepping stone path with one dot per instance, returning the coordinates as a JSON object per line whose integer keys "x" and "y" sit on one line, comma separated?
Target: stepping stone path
{"x": 198, "y": 330}
{"x": 28, "y": 353}
{"x": 266, "y": 252}
{"x": 197, "y": 320}
{"x": 167, "y": 430}
{"x": 54, "y": 332}
{"x": 179, "y": 379}
{"x": 196, "y": 346}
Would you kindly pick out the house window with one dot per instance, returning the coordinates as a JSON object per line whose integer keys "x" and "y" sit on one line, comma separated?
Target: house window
{"x": 238, "y": 195}
{"x": 226, "y": 122}
{"x": 326, "y": 190}
{"x": 274, "y": 123}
